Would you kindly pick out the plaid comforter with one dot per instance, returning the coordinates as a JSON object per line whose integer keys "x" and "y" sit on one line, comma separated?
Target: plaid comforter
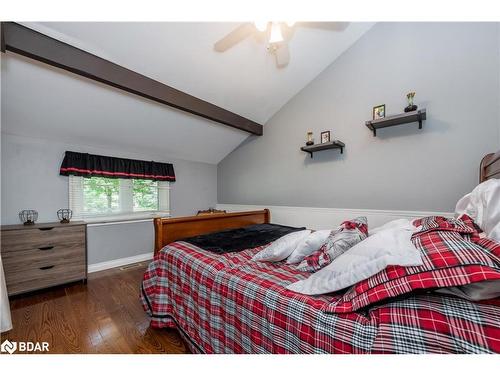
{"x": 230, "y": 304}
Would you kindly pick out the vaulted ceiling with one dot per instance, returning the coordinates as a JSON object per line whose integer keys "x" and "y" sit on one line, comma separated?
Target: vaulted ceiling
{"x": 41, "y": 101}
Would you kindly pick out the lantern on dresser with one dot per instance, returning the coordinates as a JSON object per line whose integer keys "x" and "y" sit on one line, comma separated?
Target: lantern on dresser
{"x": 64, "y": 215}
{"x": 28, "y": 217}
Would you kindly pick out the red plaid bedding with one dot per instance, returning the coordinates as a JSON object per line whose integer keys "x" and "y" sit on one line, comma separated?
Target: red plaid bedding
{"x": 230, "y": 304}
{"x": 448, "y": 258}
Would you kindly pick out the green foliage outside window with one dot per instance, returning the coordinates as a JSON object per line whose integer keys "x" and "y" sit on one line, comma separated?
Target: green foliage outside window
{"x": 145, "y": 195}
{"x": 102, "y": 195}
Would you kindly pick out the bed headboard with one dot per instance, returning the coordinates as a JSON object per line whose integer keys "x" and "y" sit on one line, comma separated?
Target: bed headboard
{"x": 170, "y": 230}
{"x": 490, "y": 167}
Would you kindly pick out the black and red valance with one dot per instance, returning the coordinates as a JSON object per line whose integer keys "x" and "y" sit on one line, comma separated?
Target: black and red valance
{"x": 88, "y": 165}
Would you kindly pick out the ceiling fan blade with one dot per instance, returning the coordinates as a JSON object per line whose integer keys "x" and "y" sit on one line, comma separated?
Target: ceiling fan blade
{"x": 282, "y": 54}
{"x": 234, "y": 37}
{"x": 335, "y": 26}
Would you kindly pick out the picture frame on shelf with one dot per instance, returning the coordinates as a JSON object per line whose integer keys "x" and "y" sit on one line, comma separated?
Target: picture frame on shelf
{"x": 379, "y": 112}
{"x": 325, "y": 136}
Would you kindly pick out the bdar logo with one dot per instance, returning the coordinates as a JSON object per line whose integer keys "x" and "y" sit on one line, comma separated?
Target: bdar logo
{"x": 9, "y": 347}
{"x": 23, "y": 346}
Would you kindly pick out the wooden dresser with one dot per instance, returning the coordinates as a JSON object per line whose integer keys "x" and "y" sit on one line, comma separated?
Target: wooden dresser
{"x": 43, "y": 255}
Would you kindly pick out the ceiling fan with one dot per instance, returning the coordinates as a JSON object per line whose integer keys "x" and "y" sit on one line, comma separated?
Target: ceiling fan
{"x": 276, "y": 34}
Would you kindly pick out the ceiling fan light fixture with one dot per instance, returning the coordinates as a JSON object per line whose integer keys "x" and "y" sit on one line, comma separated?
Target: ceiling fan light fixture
{"x": 276, "y": 35}
{"x": 261, "y": 25}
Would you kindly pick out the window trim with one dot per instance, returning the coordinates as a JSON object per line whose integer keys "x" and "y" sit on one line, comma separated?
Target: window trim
{"x": 76, "y": 204}
{"x": 119, "y": 218}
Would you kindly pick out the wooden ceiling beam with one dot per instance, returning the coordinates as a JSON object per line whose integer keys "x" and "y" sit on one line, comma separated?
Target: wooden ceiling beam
{"x": 27, "y": 42}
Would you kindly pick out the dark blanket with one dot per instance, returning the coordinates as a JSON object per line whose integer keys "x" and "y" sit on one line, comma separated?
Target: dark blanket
{"x": 232, "y": 240}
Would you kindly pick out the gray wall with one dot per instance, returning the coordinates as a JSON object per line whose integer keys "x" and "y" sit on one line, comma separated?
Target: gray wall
{"x": 125, "y": 240}
{"x": 454, "y": 69}
{"x": 30, "y": 179}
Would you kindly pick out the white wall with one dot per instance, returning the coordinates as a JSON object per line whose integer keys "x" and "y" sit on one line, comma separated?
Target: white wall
{"x": 31, "y": 180}
{"x": 327, "y": 218}
{"x": 454, "y": 70}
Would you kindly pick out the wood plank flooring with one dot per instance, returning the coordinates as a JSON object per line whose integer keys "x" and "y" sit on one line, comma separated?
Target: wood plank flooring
{"x": 103, "y": 316}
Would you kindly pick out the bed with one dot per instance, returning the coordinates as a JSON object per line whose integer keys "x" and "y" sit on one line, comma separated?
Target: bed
{"x": 227, "y": 303}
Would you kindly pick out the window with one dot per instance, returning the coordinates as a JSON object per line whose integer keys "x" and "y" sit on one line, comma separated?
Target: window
{"x": 101, "y": 197}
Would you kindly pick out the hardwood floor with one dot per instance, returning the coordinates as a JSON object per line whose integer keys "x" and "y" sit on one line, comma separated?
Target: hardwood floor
{"x": 103, "y": 316}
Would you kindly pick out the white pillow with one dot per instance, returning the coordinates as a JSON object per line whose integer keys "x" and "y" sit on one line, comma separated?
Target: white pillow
{"x": 308, "y": 245}
{"x": 370, "y": 256}
{"x": 281, "y": 248}
{"x": 483, "y": 206}
{"x": 394, "y": 224}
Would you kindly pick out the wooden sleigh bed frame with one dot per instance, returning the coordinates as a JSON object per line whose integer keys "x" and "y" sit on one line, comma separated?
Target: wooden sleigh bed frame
{"x": 170, "y": 230}
{"x": 490, "y": 167}
{"x": 274, "y": 321}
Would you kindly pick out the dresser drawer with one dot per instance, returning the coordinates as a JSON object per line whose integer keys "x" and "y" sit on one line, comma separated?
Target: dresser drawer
{"x": 36, "y": 269}
{"x": 38, "y": 278}
{"x": 50, "y": 254}
{"x": 34, "y": 238}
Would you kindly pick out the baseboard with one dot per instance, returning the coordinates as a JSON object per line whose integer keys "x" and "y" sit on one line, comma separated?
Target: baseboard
{"x": 326, "y": 218}
{"x": 119, "y": 262}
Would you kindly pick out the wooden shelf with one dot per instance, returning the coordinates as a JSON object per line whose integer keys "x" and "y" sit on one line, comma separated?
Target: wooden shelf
{"x": 324, "y": 146}
{"x": 400, "y": 119}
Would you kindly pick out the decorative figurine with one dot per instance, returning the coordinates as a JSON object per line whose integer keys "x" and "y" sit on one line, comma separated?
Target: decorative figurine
{"x": 210, "y": 211}
{"x": 310, "y": 140}
{"x": 28, "y": 217}
{"x": 64, "y": 215}
{"x": 411, "y": 106}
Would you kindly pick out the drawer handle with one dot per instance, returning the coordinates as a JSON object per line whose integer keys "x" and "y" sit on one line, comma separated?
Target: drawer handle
{"x": 46, "y": 267}
{"x": 48, "y": 228}
{"x": 46, "y": 248}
